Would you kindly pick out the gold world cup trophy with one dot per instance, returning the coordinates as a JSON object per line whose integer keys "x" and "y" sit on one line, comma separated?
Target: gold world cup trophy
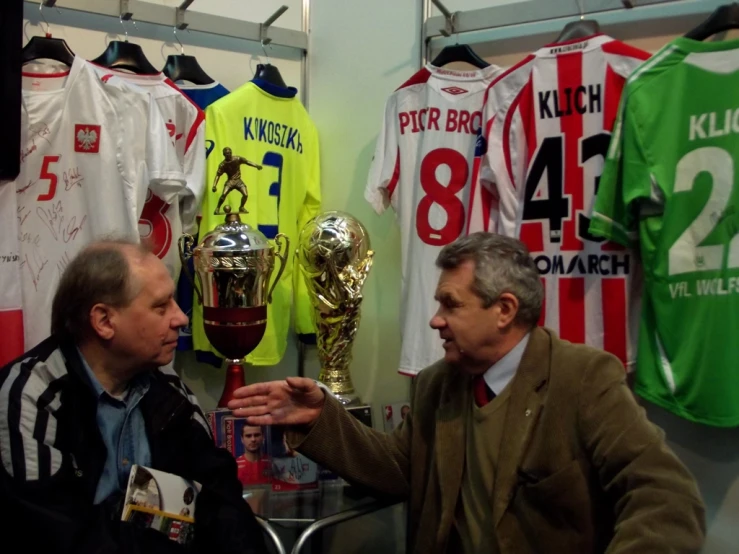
{"x": 233, "y": 265}
{"x": 334, "y": 257}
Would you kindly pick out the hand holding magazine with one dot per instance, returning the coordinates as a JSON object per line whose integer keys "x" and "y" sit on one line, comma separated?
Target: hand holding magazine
{"x": 161, "y": 501}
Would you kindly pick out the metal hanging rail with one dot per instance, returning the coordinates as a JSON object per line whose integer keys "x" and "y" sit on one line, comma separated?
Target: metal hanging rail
{"x": 157, "y": 14}
{"x": 516, "y": 13}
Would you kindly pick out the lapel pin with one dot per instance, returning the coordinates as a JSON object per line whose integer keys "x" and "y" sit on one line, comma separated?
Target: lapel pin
{"x": 528, "y": 413}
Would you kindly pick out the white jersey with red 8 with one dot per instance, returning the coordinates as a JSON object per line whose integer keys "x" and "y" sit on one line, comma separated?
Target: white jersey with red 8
{"x": 548, "y": 123}
{"x": 423, "y": 169}
{"x": 161, "y": 223}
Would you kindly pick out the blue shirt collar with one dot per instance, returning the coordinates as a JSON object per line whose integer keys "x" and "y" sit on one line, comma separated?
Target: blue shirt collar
{"x": 501, "y": 372}
{"x": 139, "y": 382}
{"x": 274, "y": 90}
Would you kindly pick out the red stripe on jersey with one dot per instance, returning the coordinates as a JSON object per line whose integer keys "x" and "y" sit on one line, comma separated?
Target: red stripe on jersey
{"x": 11, "y": 347}
{"x": 507, "y": 138}
{"x": 613, "y": 294}
{"x": 418, "y": 78}
{"x": 572, "y": 309}
{"x": 198, "y": 119}
{"x": 622, "y": 49}
{"x": 473, "y": 189}
{"x": 395, "y": 178}
{"x": 614, "y": 85}
{"x": 532, "y": 233}
{"x": 527, "y": 119}
{"x": 569, "y": 76}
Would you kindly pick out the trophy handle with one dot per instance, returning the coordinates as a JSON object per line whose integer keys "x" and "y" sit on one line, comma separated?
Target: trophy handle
{"x": 281, "y": 253}
{"x": 185, "y": 243}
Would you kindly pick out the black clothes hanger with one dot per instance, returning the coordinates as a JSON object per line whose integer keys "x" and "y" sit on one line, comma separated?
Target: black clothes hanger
{"x": 579, "y": 29}
{"x": 46, "y": 47}
{"x": 722, "y": 19}
{"x": 186, "y": 68}
{"x": 268, "y": 72}
{"x": 459, "y": 53}
{"x": 125, "y": 55}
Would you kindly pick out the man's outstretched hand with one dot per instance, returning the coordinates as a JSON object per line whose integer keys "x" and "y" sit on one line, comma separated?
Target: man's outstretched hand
{"x": 294, "y": 401}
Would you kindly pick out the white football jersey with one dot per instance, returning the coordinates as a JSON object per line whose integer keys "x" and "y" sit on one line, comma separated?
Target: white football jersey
{"x": 548, "y": 123}
{"x": 11, "y": 311}
{"x": 161, "y": 223}
{"x": 89, "y": 153}
{"x": 423, "y": 169}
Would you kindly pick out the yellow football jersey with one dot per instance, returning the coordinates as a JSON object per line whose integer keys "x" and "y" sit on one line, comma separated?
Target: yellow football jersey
{"x": 262, "y": 155}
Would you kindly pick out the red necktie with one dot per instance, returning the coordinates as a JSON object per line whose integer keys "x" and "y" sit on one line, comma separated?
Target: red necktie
{"x": 483, "y": 394}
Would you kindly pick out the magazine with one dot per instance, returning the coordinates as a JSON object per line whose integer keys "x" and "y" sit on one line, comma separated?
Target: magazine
{"x": 248, "y": 445}
{"x": 161, "y": 501}
{"x": 291, "y": 471}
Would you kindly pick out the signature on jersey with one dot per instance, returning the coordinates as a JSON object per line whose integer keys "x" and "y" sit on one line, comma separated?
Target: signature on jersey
{"x": 34, "y": 267}
{"x": 72, "y": 177}
{"x": 40, "y": 130}
{"x": 54, "y": 220}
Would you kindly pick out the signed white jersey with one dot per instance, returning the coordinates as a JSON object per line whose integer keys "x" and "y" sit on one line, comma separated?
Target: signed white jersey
{"x": 11, "y": 311}
{"x": 161, "y": 223}
{"x": 547, "y": 126}
{"x": 423, "y": 169}
{"x": 89, "y": 153}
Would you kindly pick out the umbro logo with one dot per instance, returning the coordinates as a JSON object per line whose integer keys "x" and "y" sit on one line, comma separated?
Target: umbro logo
{"x": 454, "y": 90}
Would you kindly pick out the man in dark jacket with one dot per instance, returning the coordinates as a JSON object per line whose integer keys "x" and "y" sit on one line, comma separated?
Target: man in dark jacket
{"x": 85, "y": 405}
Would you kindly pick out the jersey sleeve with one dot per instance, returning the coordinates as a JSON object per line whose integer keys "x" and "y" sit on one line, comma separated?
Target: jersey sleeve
{"x": 384, "y": 171}
{"x": 146, "y": 156}
{"x": 304, "y": 322}
{"x": 502, "y": 159}
{"x": 194, "y": 169}
{"x": 626, "y": 180}
{"x": 165, "y": 175}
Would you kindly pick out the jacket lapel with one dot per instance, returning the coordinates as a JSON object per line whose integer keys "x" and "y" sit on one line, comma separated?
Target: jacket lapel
{"x": 524, "y": 407}
{"x": 450, "y": 443}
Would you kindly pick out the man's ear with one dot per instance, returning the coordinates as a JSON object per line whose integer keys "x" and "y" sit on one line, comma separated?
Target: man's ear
{"x": 508, "y": 307}
{"x": 101, "y": 321}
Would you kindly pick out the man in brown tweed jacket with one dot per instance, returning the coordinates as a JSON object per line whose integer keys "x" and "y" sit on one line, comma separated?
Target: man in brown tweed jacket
{"x": 517, "y": 442}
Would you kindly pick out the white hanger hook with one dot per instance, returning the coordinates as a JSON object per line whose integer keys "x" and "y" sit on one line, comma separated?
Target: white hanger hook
{"x": 120, "y": 18}
{"x": 264, "y": 49}
{"x": 182, "y": 48}
{"x": 582, "y": 9}
{"x": 41, "y": 14}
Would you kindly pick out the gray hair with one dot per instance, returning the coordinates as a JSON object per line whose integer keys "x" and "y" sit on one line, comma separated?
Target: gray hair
{"x": 502, "y": 264}
{"x": 99, "y": 274}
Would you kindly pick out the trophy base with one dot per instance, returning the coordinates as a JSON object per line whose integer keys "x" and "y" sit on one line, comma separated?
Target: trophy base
{"x": 234, "y": 380}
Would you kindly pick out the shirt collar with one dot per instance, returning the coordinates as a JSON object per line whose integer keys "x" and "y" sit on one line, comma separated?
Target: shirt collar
{"x": 140, "y": 382}
{"x": 501, "y": 372}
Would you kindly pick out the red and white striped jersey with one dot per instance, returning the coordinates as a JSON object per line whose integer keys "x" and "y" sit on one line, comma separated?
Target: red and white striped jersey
{"x": 423, "y": 169}
{"x": 160, "y": 223}
{"x": 547, "y": 127}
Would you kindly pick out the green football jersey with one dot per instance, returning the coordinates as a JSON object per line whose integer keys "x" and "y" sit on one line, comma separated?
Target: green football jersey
{"x": 670, "y": 186}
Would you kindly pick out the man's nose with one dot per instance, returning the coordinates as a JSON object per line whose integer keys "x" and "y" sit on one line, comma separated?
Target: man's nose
{"x": 179, "y": 319}
{"x": 437, "y": 322}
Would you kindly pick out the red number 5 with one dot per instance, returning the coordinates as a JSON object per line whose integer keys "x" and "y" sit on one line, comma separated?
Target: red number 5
{"x": 158, "y": 228}
{"x": 444, "y": 196}
{"x": 46, "y": 174}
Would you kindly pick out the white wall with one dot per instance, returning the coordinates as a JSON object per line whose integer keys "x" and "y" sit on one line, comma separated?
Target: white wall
{"x": 359, "y": 53}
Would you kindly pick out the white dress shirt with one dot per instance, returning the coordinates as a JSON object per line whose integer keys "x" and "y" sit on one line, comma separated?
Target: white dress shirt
{"x": 501, "y": 372}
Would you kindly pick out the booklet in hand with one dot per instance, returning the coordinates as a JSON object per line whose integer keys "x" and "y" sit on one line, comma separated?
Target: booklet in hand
{"x": 161, "y": 501}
